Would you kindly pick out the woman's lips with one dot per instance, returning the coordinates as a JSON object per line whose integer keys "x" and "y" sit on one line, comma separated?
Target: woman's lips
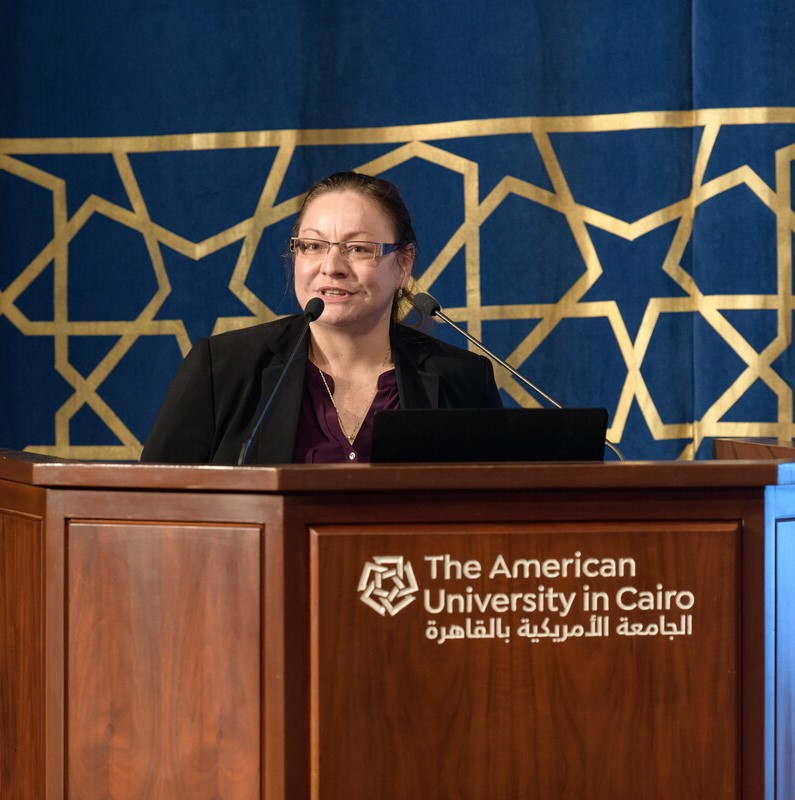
{"x": 334, "y": 293}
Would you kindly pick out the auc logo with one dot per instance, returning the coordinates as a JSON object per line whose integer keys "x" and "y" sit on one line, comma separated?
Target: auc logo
{"x": 387, "y": 584}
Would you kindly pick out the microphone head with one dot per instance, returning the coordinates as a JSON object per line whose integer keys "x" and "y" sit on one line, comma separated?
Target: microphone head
{"x": 426, "y": 304}
{"x": 313, "y": 309}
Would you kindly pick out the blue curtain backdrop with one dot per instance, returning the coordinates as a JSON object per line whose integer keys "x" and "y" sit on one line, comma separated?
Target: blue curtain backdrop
{"x": 602, "y": 192}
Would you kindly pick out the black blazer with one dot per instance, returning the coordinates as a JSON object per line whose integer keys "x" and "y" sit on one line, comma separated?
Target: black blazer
{"x": 219, "y": 388}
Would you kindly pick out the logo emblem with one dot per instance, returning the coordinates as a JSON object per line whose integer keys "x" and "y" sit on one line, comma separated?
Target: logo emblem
{"x": 387, "y": 584}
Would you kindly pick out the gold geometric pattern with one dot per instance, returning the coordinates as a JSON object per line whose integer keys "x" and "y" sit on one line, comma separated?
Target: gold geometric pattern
{"x": 428, "y": 143}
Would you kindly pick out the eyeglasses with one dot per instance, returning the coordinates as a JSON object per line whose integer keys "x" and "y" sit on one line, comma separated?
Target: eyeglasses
{"x": 355, "y": 251}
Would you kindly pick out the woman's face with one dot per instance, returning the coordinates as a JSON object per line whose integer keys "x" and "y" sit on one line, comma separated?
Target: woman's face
{"x": 357, "y": 295}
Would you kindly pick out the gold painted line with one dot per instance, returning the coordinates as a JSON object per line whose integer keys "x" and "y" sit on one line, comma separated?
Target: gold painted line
{"x": 636, "y": 120}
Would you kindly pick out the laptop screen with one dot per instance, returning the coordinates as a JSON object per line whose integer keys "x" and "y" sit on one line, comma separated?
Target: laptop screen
{"x": 496, "y": 434}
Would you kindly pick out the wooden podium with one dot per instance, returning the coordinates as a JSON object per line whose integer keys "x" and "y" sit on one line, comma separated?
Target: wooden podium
{"x": 457, "y": 631}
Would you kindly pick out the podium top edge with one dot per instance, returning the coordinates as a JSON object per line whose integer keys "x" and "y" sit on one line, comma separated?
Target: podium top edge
{"x": 46, "y": 471}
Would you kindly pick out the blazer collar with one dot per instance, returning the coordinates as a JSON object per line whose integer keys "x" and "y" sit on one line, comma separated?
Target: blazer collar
{"x": 281, "y": 421}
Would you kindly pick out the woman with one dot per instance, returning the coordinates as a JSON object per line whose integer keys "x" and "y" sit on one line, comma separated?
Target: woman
{"x": 353, "y": 246}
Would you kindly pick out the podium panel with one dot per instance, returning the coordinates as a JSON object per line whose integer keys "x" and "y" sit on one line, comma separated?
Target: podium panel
{"x": 21, "y": 656}
{"x": 164, "y": 627}
{"x": 526, "y": 660}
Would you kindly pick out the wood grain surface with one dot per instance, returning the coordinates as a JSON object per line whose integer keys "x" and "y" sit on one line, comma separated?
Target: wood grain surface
{"x": 164, "y": 665}
{"x": 397, "y": 715}
{"x": 21, "y": 657}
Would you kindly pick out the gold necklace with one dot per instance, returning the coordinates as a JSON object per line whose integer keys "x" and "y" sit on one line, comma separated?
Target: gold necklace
{"x": 352, "y": 436}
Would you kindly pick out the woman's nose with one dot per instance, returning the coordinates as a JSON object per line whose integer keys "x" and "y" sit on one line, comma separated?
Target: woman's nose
{"x": 334, "y": 261}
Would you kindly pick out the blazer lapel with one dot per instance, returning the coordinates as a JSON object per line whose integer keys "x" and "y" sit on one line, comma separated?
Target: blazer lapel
{"x": 275, "y": 438}
{"x": 417, "y": 387}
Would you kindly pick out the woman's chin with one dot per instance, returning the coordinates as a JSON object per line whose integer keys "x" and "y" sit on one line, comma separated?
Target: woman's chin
{"x": 352, "y": 320}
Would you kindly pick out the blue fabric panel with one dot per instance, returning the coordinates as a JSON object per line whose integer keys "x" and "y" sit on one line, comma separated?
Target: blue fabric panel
{"x": 602, "y": 191}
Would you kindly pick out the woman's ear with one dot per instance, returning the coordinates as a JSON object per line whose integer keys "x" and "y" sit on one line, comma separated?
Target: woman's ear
{"x": 406, "y": 264}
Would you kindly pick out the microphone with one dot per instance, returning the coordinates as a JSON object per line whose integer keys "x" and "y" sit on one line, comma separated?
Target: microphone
{"x": 312, "y": 310}
{"x": 430, "y": 307}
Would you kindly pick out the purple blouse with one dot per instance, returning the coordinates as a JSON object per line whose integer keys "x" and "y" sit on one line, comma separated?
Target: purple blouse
{"x": 320, "y": 439}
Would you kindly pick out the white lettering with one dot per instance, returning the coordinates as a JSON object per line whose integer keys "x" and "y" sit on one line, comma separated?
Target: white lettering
{"x": 543, "y": 600}
{"x": 446, "y": 568}
{"x": 575, "y": 567}
{"x": 629, "y": 598}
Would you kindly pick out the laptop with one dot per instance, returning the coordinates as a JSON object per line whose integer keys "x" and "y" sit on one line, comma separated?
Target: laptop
{"x": 493, "y": 434}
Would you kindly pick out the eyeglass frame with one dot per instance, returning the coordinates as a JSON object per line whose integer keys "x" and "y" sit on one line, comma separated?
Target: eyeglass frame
{"x": 384, "y": 248}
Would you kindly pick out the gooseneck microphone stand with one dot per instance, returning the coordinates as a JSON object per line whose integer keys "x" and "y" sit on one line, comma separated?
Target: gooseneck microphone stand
{"x": 430, "y": 307}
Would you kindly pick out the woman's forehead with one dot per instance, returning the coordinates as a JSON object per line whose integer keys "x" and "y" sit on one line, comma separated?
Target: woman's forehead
{"x": 346, "y": 210}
